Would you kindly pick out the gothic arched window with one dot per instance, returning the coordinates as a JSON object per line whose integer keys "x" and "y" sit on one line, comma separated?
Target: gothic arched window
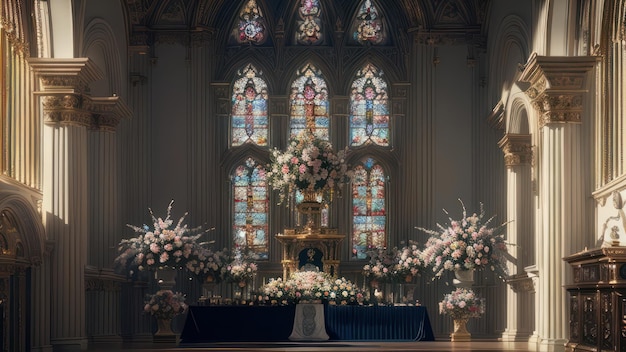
{"x": 309, "y": 25}
{"x": 368, "y": 25}
{"x": 250, "y": 198}
{"x": 251, "y": 25}
{"x": 369, "y": 216}
{"x": 309, "y": 103}
{"x": 249, "y": 121}
{"x": 369, "y": 115}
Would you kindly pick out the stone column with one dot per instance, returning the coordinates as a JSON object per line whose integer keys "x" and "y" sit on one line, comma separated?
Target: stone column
{"x": 557, "y": 91}
{"x": 63, "y": 88}
{"x": 517, "y": 151}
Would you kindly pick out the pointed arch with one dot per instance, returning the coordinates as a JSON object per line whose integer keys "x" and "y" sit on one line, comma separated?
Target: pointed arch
{"x": 249, "y": 108}
{"x": 368, "y": 25}
{"x": 28, "y": 224}
{"x": 309, "y": 103}
{"x": 309, "y": 28}
{"x": 369, "y": 111}
{"x": 369, "y": 207}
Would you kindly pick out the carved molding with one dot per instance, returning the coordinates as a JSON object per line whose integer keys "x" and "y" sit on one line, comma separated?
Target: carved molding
{"x": 64, "y": 91}
{"x": 517, "y": 149}
{"x": 557, "y": 86}
{"x": 521, "y": 283}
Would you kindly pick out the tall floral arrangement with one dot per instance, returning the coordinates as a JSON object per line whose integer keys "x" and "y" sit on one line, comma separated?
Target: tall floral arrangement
{"x": 462, "y": 303}
{"x": 165, "y": 304}
{"x": 166, "y": 244}
{"x": 465, "y": 244}
{"x": 308, "y": 163}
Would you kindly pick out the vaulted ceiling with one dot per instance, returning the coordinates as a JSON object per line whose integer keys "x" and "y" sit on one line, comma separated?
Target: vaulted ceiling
{"x": 450, "y": 18}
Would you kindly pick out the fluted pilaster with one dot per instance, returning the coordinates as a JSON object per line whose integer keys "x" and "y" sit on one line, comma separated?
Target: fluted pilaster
{"x": 63, "y": 87}
{"x": 557, "y": 92}
{"x": 518, "y": 158}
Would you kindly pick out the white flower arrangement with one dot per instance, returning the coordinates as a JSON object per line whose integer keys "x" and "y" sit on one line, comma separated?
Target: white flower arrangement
{"x": 311, "y": 286}
{"x": 164, "y": 245}
{"x": 240, "y": 268}
{"x": 466, "y": 244}
{"x": 309, "y": 163}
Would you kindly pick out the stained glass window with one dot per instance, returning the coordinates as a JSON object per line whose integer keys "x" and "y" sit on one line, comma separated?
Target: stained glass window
{"x": 369, "y": 216}
{"x": 251, "y": 25}
{"x": 249, "y": 122}
{"x": 309, "y": 103}
{"x": 368, "y": 26}
{"x": 309, "y": 24}
{"x": 369, "y": 116}
{"x": 250, "y": 225}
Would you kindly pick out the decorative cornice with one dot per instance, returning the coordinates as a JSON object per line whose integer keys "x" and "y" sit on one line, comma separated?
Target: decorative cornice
{"x": 521, "y": 283}
{"x": 64, "y": 91}
{"x": 107, "y": 113}
{"x": 517, "y": 149}
{"x": 65, "y": 75}
{"x": 557, "y": 86}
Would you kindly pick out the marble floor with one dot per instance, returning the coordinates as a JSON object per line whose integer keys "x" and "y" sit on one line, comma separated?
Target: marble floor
{"x": 340, "y": 346}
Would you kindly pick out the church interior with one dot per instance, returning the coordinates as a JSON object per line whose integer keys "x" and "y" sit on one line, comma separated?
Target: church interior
{"x": 115, "y": 111}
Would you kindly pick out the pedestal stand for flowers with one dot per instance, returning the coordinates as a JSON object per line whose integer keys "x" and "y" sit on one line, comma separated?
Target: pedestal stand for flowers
{"x": 460, "y": 332}
{"x": 164, "y": 333}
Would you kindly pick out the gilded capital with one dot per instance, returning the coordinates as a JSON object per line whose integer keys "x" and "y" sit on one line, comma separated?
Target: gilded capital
{"x": 557, "y": 86}
{"x": 517, "y": 149}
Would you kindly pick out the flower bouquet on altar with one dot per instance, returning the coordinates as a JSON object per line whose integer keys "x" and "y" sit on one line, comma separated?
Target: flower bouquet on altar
{"x": 393, "y": 265}
{"x": 466, "y": 244}
{"x": 309, "y": 163}
{"x": 240, "y": 268}
{"x": 462, "y": 303}
{"x": 207, "y": 264}
{"x": 165, "y": 304}
{"x": 164, "y": 245}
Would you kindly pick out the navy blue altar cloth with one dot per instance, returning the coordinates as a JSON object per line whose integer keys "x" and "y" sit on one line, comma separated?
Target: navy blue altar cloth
{"x": 275, "y": 323}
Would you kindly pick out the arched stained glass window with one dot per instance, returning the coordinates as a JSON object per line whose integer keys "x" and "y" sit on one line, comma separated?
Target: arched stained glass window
{"x": 369, "y": 115}
{"x": 309, "y": 24}
{"x": 250, "y": 225}
{"x": 249, "y": 121}
{"x": 309, "y": 103}
{"x": 251, "y": 25}
{"x": 368, "y": 25}
{"x": 369, "y": 214}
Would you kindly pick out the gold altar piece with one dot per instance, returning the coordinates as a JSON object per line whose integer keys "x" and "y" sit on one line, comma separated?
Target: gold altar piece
{"x": 311, "y": 245}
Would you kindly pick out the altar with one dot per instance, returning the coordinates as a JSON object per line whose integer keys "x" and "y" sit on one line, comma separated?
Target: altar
{"x": 274, "y": 323}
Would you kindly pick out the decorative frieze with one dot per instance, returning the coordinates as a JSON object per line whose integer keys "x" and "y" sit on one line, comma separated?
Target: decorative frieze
{"x": 517, "y": 149}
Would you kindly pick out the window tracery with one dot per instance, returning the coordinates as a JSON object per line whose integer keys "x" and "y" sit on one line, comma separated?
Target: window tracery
{"x": 369, "y": 115}
{"x": 251, "y": 25}
{"x": 309, "y": 24}
{"x": 309, "y": 103}
{"x": 369, "y": 216}
{"x": 251, "y": 201}
{"x": 368, "y": 26}
{"x": 249, "y": 119}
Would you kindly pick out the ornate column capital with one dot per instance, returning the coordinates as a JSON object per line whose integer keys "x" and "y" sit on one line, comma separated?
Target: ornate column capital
{"x": 64, "y": 91}
{"x": 557, "y": 86}
{"x": 517, "y": 149}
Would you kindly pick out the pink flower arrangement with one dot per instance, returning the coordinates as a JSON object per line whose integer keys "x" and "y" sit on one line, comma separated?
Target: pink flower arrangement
{"x": 466, "y": 244}
{"x": 309, "y": 163}
{"x": 462, "y": 303}
{"x": 165, "y": 304}
{"x": 240, "y": 268}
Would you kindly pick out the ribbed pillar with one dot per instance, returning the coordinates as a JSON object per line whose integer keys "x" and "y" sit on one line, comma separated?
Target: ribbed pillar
{"x": 557, "y": 92}
{"x": 66, "y": 120}
{"x": 517, "y": 157}
{"x": 102, "y": 286}
{"x": 41, "y": 305}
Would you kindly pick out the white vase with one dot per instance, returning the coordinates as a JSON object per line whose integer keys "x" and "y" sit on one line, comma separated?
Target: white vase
{"x": 463, "y": 278}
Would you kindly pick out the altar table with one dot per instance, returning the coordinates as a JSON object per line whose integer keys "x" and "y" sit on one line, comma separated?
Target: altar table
{"x": 275, "y": 323}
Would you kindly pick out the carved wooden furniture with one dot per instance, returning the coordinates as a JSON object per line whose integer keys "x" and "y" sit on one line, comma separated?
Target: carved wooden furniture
{"x": 597, "y": 300}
